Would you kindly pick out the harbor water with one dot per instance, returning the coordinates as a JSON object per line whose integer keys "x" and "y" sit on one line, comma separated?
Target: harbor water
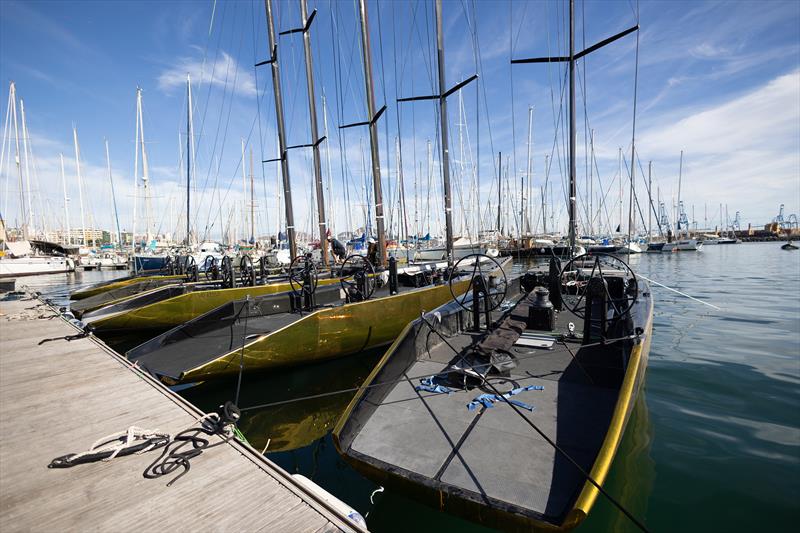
{"x": 714, "y": 441}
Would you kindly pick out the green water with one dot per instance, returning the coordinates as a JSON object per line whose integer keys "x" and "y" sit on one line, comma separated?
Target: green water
{"x": 714, "y": 440}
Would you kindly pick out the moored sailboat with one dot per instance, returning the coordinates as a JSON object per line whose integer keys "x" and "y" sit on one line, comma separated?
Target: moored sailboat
{"x": 507, "y": 407}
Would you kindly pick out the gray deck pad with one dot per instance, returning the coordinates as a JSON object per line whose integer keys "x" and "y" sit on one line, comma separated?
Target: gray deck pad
{"x": 193, "y": 350}
{"x": 492, "y": 451}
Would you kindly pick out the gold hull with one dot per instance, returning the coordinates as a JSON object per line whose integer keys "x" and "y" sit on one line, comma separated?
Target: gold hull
{"x": 97, "y": 289}
{"x": 632, "y": 383}
{"x": 328, "y": 333}
{"x": 175, "y": 311}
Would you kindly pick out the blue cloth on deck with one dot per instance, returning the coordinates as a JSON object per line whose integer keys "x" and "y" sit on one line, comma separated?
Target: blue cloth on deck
{"x": 488, "y": 400}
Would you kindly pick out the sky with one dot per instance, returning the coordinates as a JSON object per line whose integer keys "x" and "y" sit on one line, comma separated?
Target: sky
{"x": 719, "y": 81}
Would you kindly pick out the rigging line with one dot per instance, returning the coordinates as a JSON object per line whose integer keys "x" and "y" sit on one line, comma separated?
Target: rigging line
{"x": 552, "y": 443}
{"x": 386, "y": 121}
{"x": 475, "y": 168}
{"x": 633, "y": 137}
{"x": 607, "y": 342}
{"x": 582, "y": 84}
{"x": 679, "y": 292}
{"x": 511, "y": 75}
{"x": 337, "y": 71}
{"x": 225, "y": 133}
{"x": 258, "y": 118}
{"x": 210, "y": 84}
{"x": 212, "y": 155}
{"x": 634, "y": 195}
{"x": 401, "y": 190}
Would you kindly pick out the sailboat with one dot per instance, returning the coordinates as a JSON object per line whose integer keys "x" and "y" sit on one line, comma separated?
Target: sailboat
{"x": 507, "y": 408}
{"x": 685, "y": 242}
{"x": 318, "y": 318}
{"x": 148, "y": 257}
{"x": 26, "y": 256}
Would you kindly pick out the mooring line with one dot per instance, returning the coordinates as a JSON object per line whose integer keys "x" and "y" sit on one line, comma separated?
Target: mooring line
{"x": 681, "y": 293}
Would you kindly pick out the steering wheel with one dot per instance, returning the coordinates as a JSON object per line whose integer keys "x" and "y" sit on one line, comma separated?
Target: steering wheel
{"x": 303, "y": 276}
{"x": 247, "y": 270}
{"x": 228, "y": 276}
{"x": 577, "y": 275}
{"x": 188, "y": 265}
{"x": 497, "y": 293}
{"x": 358, "y": 279}
{"x": 211, "y": 268}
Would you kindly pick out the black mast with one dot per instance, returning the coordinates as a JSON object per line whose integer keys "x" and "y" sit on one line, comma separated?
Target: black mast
{"x": 442, "y": 97}
{"x": 571, "y": 59}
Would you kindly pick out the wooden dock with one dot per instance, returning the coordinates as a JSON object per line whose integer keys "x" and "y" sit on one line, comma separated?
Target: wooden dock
{"x": 60, "y": 397}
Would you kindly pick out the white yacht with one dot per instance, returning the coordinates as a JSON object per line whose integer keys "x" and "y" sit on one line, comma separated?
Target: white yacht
{"x": 21, "y": 259}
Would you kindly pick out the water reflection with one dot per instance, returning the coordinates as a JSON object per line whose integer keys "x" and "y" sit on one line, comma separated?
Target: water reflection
{"x": 714, "y": 446}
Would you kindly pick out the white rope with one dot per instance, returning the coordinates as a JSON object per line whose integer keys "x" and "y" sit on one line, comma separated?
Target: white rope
{"x": 126, "y": 438}
{"x": 130, "y": 436}
{"x": 681, "y": 293}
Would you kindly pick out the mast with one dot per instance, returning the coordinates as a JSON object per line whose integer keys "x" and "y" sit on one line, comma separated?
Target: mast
{"x": 145, "y": 168}
{"x": 113, "y": 193}
{"x": 13, "y": 96}
{"x": 373, "y": 130}
{"x": 526, "y": 216}
{"x": 312, "y": 112}
{"x": 591, "y": 182}
{"x": 448, "y": 200}
{"x": 189, "y": 144}
{"x": 80, "y": 186}
{"x": 66, "y": 200}
{"x": 650, "y": 198}
{"x": 244, "y": 183}
{"x": 135, "y": 177}
{"x": 572, "y": 164}
{"x": 252, "y": 202}
{"x": 27, "y": 166}
{"x": 619, "y": 172}
{"x": 544, "y": 194}
{"x": 499, "y": 192}
{"x": 680, "y": 176}
{"x": 276, "y": 86}
{"x": 331, "y": 216}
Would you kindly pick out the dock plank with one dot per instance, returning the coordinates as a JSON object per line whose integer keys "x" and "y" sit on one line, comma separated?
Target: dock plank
{"x": 60, "y": 397}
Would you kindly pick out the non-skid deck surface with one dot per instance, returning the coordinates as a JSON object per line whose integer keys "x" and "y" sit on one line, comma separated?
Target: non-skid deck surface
{"x": 60, "y": 397}
{"x": 493, "y": 452}
{"x": 192, "y": 350}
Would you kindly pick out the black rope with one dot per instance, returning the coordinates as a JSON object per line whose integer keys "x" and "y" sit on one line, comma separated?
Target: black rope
{"x": 550, "y": 441}
{"x": 241, "y": 356}
{"x": 86, "y": 332}
{"x": 396, "y": 381}
{"x": 174, "y": 456}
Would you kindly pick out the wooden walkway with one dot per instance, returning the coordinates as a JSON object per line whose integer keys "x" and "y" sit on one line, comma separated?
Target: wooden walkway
{"x": 59, "y": 398}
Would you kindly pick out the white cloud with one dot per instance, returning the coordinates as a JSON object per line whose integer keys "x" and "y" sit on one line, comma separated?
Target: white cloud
{"x": 745, "y": 151}
{"x": 224, "y": 72}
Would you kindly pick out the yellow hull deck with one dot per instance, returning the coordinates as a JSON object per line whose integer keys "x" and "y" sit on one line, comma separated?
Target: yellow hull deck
{"x": 103, "y": 287}
{"x": 174, "y": 311}
{"x": 328, "y": 333}
{"x": 495, "y": 470}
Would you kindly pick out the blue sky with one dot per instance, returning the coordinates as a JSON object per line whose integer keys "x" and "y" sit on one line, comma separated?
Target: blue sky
{"x": 720, "y": 81}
